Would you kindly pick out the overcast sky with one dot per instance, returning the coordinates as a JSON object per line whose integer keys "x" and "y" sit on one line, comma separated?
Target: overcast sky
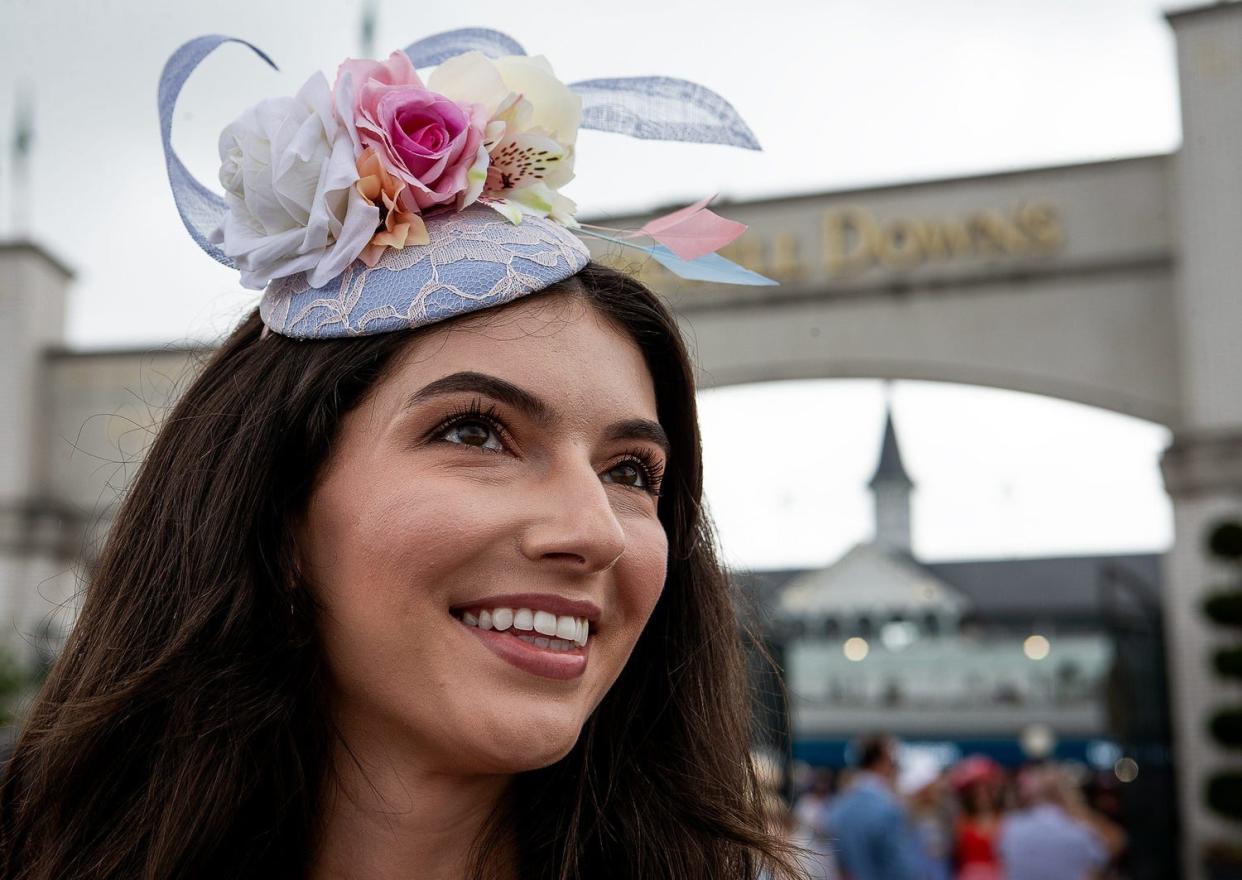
{"x": 840, "y": 94}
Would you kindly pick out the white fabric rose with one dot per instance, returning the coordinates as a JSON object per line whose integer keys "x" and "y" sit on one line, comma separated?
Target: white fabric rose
{"x": 288, "y": 170}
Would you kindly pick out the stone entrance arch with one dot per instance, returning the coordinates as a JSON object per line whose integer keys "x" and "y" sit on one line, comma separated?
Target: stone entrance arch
{"x": 1103, "y": 337}
{"x": 1114, "y": 284}
{"x": 1087, "y": 314}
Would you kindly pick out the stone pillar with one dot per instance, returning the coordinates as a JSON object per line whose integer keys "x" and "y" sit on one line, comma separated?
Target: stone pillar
{"x": 1203, "y": 474}
{"x": 1203, "y": 466}
{"x": 33, "y": 290}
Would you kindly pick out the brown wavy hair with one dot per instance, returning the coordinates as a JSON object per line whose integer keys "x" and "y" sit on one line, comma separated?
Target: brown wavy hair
{"x": 184, "y": 731}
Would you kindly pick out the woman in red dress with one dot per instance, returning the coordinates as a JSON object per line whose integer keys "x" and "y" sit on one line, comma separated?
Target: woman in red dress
{"x": 976, "y": 780}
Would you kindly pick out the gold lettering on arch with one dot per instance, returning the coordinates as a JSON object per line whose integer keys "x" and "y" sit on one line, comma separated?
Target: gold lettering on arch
{"x": 854, "y": 240}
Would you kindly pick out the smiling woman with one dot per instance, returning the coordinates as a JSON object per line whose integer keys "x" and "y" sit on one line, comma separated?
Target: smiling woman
{"x": 436, "y": 604}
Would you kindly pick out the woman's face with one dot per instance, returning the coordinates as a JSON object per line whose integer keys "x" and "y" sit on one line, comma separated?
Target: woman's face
{"x": 508, "y": 461}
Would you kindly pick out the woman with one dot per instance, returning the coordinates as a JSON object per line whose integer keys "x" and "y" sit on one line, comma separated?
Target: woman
{"x": 274, "y": 673}
{"x": 977, "y": 780}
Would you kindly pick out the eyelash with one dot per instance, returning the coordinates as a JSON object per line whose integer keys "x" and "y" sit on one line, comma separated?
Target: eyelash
{"x": 652, "y": 470}
{"x": 473, "y": 412}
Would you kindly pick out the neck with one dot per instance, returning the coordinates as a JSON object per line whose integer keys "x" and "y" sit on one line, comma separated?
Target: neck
{"x": 387, "y": 816}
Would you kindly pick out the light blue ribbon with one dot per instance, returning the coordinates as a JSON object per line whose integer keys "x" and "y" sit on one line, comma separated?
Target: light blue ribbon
{"x": 201, "y": 209}
{"x": 432, "y": 50}
{"x": 662, "y": 108}
{"x": 649, "y": 107}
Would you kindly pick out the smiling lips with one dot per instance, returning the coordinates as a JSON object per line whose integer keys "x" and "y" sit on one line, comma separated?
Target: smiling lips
{"x": 563, "y": 632}
{"x": 536, "y": 641}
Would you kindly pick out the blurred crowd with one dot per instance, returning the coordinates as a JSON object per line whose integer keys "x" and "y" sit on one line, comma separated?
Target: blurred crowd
{"x": 973, "y": 820}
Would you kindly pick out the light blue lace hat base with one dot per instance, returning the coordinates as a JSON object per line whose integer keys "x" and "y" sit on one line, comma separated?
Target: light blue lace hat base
{"x": 476, "y": 259}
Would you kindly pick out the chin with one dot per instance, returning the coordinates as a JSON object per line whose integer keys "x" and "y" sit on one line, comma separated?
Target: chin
{"x": 533, "y": 744}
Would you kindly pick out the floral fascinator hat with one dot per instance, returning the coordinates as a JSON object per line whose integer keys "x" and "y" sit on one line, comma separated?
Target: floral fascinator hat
{"x": 384, "y": 201}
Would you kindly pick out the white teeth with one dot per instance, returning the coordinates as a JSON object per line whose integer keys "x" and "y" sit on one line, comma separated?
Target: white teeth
{"x": 564, "y": 632}
{"x": 545, "y": 622}
{"x": 550, "y": 644}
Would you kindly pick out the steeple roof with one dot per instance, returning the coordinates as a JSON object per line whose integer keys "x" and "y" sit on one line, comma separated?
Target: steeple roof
{"x": 869, "y": 579}
{"x": 890, "y": 469}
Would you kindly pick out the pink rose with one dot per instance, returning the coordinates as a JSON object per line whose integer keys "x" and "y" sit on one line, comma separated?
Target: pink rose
{"x": 398, "y": 70}
{"x": 427, "y": 140}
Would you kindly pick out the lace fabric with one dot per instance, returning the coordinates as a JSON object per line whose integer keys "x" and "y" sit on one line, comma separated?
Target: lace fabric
{"x": 476, "y": 259}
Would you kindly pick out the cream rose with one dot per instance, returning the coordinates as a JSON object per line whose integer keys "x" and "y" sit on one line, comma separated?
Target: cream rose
{"x": 288, "y": 170}
{"x": 533, "y": 121}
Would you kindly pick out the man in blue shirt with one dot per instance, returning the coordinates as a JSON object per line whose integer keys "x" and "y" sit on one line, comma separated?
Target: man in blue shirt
{"x": 872, "y": 833}
{"x": 1056, "y": 837}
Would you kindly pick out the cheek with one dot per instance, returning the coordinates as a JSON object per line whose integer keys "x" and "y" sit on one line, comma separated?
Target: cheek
{"x": 643, "y": 570}
{"x": 395, "y": 547}
{"x": 391, "y": 556}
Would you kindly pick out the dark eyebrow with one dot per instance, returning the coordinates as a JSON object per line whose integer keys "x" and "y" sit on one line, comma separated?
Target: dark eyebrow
{"x": 640, "y": 429}
{"x": 481, "y": 383}
{"x": 520, "y": 398}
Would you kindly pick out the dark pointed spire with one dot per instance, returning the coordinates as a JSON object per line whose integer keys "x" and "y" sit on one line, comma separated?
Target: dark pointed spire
{"x": 890, "y": 469}
{"x": 366, "y": 30}
{"x": 20, "y": 149}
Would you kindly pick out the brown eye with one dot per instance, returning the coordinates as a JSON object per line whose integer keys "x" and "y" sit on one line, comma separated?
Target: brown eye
{"x": 473, "y": 433}
{"x": 628, "y": 474}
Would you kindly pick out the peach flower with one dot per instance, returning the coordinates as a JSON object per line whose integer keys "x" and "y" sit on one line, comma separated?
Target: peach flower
{"x": 382, "y": 189}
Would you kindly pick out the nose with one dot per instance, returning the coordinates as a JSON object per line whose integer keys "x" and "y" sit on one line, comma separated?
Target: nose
{"x": 572, "y": 522}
